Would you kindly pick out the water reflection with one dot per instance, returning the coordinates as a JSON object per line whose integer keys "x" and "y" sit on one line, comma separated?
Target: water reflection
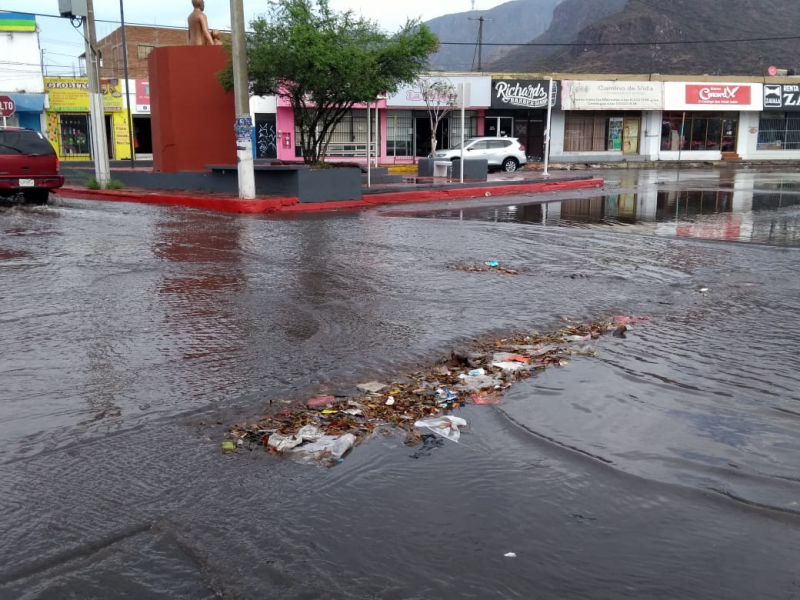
{"x": 734, "y": 207}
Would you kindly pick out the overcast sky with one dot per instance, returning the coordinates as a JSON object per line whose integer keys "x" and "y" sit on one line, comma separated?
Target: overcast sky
{"x": 62, "y": 44}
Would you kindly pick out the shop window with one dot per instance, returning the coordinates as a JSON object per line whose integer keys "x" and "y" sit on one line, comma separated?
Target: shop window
{"x": 144, "y": 51}
{"x": 779, "y": 131}
{"x": 585, "y": 132}
{"x": 471, "y": 118}
{"x": 349, "y": 136}
{"x": 400, "y": 133}
{"x": 74, "y": 136}
{"x": 699, "y": 131}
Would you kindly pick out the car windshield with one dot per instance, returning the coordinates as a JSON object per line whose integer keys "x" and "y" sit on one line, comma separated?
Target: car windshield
{"x": 20, "y": 141}
{"x": 466, "y": 143}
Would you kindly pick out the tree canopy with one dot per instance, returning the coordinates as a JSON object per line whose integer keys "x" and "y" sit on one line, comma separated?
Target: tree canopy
{"x": 324, "y": 62}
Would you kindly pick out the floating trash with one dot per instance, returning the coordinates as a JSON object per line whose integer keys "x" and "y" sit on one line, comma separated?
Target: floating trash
{"x": 326, "y": 427}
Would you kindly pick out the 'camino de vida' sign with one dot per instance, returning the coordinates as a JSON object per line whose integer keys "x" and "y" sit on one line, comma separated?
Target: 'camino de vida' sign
{"x": 718, "y": 94}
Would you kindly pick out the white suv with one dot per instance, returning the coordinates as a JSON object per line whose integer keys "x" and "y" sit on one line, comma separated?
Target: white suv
{"x": 504, "y": 152}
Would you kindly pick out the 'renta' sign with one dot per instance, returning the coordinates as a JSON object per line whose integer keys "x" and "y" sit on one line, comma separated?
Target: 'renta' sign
{"x": 782, "y": 96}
{"x": 523, "y": 93}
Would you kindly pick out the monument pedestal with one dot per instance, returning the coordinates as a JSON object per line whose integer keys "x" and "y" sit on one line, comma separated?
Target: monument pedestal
{"x": 192, "y": 116}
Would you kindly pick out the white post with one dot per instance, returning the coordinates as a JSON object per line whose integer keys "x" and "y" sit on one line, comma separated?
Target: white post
{"x": 377, "y": 136}
{"x": 547, "y": 131}
{"x": 369, "y": 141}
{"x": 4, "y": 122}
{"x": 463, "y": 127}
{"x": 241, "y": 95}
{"x": 98, "y": 125}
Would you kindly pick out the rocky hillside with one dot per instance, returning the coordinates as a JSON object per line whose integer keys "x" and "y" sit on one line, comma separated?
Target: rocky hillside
{"x": 662, "y": 26}
{"x": 517, "y": 21}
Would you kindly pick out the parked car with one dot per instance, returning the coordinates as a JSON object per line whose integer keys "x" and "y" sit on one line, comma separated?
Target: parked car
{"x": 28, "y": 165}
{"x": 504, "y": 152}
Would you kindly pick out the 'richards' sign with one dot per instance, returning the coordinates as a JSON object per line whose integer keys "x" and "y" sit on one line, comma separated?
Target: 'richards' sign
{"x": 523, "y": 93}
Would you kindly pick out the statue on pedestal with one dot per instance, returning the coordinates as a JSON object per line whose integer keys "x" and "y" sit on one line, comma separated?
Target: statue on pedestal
{"x": 198, "y": 26}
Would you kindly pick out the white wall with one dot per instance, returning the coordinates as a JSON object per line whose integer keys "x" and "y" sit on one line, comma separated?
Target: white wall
{"x": 263, "y": 104}
{"x": 21, "y": 47}
{"x": 557, "y": 123}
{"x": 650, "y": 144}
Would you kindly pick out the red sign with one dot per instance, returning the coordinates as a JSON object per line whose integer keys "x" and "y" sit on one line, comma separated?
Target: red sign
{"x": 143, "y": 94}
{"x": 718, "y": 94}
{"x": 7, "y": 106}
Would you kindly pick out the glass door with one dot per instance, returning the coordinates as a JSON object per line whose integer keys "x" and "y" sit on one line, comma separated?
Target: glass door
{"x": 499, "y": 126}
{"x": 630, "y": 136}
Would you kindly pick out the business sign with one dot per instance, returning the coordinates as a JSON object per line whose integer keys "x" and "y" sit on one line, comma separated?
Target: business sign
{"x": 71, "y": 94}
{"x": 522, "y": 93}
{"x": 782, "y": 96}
{"x": 713, "y": 96}
{"x": 12, "y": 21}
{"x": 411, "y": 95}
{"x": 717, "y": 95}
{"x": 143, "y": 95}
{"x": 612, "y": 95}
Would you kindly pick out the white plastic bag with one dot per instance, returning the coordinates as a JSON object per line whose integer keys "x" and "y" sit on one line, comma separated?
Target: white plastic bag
{"x": 444, "y": 426}
{"x": 328, "y": 446}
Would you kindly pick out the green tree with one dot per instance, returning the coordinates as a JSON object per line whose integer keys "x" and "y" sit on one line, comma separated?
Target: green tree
{"x": 324, "y": 62}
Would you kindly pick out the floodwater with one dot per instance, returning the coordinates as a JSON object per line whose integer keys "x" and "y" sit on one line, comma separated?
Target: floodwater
{"x": 664, "y": 468}
{"x": 739, "y": 207}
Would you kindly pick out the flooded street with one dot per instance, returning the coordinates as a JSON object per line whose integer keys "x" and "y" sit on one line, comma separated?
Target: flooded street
{"x": 666, "y": 467}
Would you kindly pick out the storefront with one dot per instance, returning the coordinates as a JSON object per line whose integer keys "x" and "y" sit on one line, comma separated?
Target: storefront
{"x": 605, "y": 120}
{"x": 140, "y": 112}
{"x": 29, "y": 109}
{"x": 777, "y": 129}
{"x": 708, "y": 121}
{"x": 69, "y": 123}
{"x": 519, "y": 109}
{"x": 408, "y": 128}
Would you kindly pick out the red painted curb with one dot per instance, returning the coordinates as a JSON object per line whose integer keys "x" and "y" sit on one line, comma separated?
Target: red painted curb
{"x": 289, "y": 205}
{"x": 232, "y": 205}
{"x": 499, "y": 190}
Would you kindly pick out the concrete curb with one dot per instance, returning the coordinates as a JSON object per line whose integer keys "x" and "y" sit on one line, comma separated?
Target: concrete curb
{"x": 290, "y": 205}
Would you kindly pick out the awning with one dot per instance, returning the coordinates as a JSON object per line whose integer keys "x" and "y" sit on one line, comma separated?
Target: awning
{"x": 27, "y": 102}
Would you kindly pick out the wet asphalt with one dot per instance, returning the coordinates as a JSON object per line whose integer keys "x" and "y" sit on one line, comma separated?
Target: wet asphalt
{"x": 666, "y": 467}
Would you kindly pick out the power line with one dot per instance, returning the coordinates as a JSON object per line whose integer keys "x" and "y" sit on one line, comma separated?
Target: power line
{"x": 600, "y": 44}
{"x": 517, "y": 44}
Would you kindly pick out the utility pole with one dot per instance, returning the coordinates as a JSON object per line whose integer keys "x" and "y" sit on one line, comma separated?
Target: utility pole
{"x": 241, "y": 92}
{"x": 127, "y": 83}
{"x": 481, "y": 20}
{"x": 98, "y": 124}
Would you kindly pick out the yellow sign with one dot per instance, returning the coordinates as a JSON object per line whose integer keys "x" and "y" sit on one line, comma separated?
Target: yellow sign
{"x": 71, "y": 94}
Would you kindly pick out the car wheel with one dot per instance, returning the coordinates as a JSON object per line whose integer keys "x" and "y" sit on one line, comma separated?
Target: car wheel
{"x": 510, "y": 165}
{"x": 38, "y": 196}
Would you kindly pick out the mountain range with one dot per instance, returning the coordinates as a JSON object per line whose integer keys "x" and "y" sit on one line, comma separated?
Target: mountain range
{"x": 715, "y": 37}
{"x": 519, "y": 20}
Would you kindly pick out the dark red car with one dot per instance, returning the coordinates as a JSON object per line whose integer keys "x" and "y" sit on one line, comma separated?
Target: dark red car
{"x": 28, "y": 165}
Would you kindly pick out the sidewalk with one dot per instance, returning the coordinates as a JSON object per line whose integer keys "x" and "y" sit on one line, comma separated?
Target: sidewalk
{"x": 415, "y": 189}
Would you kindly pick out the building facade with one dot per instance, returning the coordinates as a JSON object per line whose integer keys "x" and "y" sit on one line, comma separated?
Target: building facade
{"x": 21, "y": 69}
{"x": 69, "y": 124}
{"x": 141, "y": 41}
